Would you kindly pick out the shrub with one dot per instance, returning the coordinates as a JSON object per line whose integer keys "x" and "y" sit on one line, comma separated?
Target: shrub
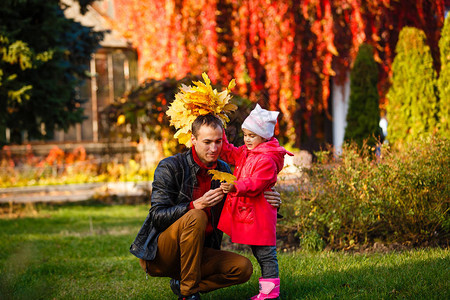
{"x": 412, "y": 107}
{"x": 400, "y": 197}
{"x": 363, "y": 115}
{"x": 444, "y": 80}
{"x": 312, "y": 241}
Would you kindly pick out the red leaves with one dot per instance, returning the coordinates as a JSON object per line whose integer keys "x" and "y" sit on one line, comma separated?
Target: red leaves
{"x": 282, "y": 53}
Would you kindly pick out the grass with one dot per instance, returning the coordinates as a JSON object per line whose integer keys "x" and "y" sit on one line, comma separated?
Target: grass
{"x": 75, "y": 251}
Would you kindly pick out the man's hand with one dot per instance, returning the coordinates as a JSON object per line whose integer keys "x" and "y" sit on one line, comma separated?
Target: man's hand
{"x": 210, "y": 198}
{"x": 227, "y": 187}
{"x": 273, "y": 197}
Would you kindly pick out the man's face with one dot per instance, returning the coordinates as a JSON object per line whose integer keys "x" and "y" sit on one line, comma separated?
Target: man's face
{"x": 208, "y": 143}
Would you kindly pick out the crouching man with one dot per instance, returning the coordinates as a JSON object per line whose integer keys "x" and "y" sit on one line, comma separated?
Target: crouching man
{"x": 179, "y": 238}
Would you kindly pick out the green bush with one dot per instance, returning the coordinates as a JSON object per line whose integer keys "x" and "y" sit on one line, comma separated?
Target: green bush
{"x": 400, "y": 197}
{"x": 444, "y": 80}
{"x": 363, "y": 114}
{"x": 412, "y": 108}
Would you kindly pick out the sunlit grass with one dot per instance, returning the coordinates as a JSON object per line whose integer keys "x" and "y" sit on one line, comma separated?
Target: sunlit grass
{"x": 81, "y": 251}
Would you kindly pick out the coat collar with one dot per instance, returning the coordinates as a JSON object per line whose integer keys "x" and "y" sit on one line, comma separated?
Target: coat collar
{"x": 193, "y": 166}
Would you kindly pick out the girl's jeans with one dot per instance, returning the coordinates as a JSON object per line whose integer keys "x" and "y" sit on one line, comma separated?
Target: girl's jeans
{"x": 267, "y": 259}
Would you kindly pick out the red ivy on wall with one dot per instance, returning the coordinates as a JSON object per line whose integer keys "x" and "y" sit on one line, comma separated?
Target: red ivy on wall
{"x": 282, "y": 53}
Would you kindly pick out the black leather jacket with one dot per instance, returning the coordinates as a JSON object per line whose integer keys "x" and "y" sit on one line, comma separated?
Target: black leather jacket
{"x": 172, "y": 188}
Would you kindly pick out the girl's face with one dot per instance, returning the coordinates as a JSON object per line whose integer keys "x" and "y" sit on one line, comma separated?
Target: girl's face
{"x": 251, "y": 139}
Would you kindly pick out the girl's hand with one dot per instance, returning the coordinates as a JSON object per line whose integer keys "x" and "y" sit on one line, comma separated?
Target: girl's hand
{"x": 227, "y": 187}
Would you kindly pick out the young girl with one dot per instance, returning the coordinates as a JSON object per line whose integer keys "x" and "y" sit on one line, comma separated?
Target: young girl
{"x": 247, "y": 217}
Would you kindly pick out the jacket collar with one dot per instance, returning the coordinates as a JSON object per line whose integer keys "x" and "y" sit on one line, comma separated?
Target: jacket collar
{"x": 192, "y": 166}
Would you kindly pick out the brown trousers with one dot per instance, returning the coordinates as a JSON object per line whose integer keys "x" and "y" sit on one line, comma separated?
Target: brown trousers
{"x": 181, "y": 255}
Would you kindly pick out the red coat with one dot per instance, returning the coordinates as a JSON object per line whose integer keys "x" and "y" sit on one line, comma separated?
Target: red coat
{"x": 247, "y": 217}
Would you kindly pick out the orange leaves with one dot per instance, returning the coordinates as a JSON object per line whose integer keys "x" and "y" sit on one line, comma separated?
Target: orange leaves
{"x": 58, "y": 157}
{"x": 222, "y": 176}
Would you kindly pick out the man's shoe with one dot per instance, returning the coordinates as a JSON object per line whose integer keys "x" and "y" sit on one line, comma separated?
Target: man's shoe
{"x": 195, "y": 296}
{"x": 175, "y": 286}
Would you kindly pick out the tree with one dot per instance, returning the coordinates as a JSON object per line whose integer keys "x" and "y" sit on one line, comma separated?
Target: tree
{"x": 283, "y": 54}
{"x": 444, "y": 80}
{"x": 412, "y": 108}
{"x": 43, "y": 58}
{"x": 363, "y": 115}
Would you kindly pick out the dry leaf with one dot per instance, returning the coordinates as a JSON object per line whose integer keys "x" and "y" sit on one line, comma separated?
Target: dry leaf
{"x": 223, "y": 176}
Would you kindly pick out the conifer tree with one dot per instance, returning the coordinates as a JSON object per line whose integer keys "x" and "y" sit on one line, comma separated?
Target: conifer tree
{"x": 444, "y": 80}
{"x": 412, "y": 108}
{"x": 43, "y": 57}
{"x": 363, "y": 114}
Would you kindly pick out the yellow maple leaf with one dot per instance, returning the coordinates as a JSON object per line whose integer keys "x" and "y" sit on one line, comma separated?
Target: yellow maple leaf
{"x": 232, "y": 84}
{"x": 223, "y": 176}
{"x": 184, "y": 138}
{"x": 230, "y": 107}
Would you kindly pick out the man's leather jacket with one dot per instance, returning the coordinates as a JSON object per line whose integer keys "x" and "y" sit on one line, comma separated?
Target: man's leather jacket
{"x": 172, "y": 188}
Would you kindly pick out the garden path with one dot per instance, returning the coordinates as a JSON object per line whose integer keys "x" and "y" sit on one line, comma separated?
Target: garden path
{"x": 73, "y": 192}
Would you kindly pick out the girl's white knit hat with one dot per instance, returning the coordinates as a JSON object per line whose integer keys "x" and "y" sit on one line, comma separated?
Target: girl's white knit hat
{"x": 261, "y": 121}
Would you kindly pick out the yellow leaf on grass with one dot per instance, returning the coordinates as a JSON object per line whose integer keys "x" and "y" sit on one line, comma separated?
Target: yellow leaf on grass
{"x": 222, "y": 176}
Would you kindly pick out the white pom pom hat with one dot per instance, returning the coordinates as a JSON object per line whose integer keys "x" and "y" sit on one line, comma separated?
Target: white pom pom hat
{"x": 261, "y": 121}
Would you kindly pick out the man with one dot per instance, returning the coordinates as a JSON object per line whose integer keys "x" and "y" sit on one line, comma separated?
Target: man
{"x": 179, "y": 238}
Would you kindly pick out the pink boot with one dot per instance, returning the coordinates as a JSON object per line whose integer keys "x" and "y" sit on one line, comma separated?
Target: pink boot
{"x": 269, "y": 288}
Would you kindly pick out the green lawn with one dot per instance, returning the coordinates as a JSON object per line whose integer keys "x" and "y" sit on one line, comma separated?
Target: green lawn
{"x": 81, "y": 251}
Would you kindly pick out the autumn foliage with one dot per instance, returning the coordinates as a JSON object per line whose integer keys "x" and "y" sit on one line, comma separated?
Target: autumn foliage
{"x": 200, "y": 99}
{"x": 282, "y": 53}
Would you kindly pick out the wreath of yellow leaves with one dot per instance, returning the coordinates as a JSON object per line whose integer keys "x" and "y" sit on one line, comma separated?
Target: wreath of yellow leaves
{"x": 193, "y": 101}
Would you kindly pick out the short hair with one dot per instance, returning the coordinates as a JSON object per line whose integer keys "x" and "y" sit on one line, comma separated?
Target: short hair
{"x": 208, "y": 120}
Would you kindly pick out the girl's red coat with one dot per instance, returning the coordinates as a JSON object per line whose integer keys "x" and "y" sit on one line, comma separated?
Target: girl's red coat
{"x": 247, "y": 217}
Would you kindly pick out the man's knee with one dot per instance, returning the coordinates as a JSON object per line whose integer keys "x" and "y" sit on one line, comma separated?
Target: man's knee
{"x": 196, "y": 217}
{"x": 244, "y": 269}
